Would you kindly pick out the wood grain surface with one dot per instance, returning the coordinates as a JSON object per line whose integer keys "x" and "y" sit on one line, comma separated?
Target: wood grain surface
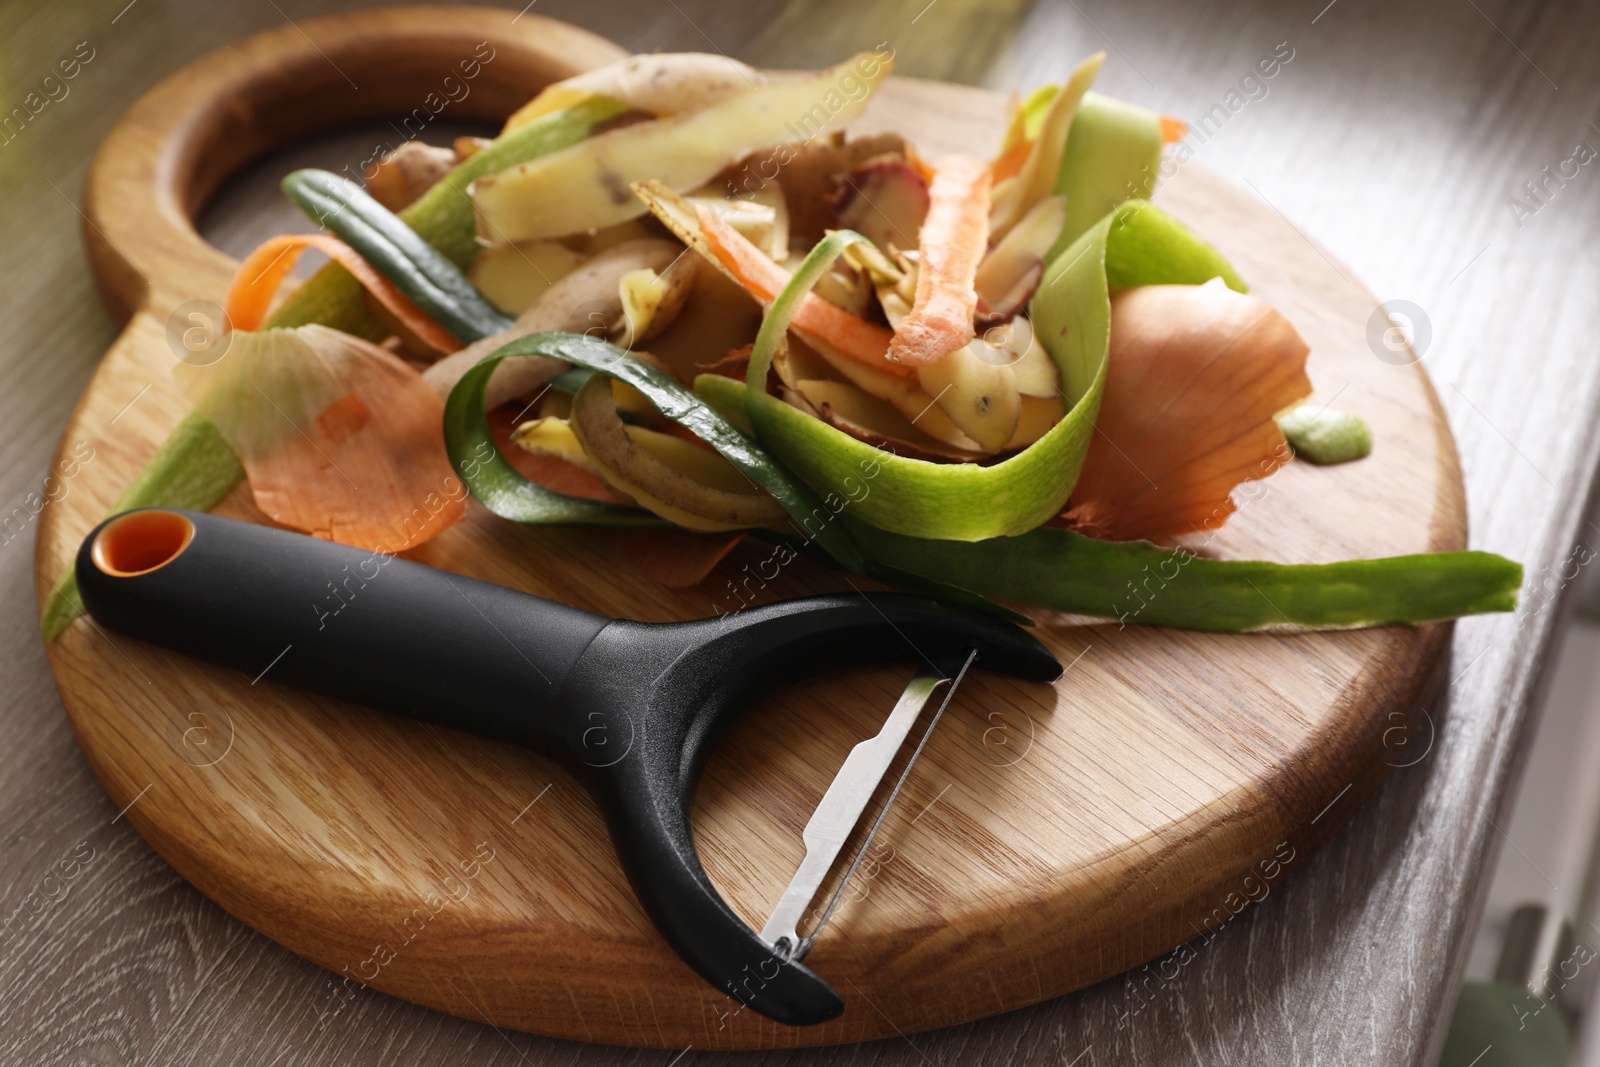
{"x": 1051, "y": 839}
{"x": 1396, "y": 135}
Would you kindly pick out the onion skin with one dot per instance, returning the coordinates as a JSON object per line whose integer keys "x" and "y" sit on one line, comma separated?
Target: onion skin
{"x": 1194, "y": 376}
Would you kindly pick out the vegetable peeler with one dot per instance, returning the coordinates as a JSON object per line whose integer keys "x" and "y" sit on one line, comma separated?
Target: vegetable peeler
{"x": 630, "y": 708}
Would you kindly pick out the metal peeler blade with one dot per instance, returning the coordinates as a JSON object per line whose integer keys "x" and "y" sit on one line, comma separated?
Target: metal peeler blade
{"x": 841, "y": 807}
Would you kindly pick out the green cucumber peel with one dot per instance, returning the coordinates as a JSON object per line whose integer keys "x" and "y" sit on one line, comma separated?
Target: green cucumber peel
{"x": 443, "y": 216}
{"x": 498, "y": 485}
{"x": 1112, "y": 154}
{"x": 423, "y": 273}
{"x": 508, "y": 494}
{"x": 1136, "y": 582}
{"x": 730, "y": 397}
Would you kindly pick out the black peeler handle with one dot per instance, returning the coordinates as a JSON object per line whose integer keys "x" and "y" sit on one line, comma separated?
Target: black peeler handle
{"x": 631, "y": 708}
{"x": 337, "y": 620}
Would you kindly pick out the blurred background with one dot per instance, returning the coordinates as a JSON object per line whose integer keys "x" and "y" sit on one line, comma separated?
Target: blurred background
{"x": 1541, "y": 922}
{"x": 1416, "y": 141}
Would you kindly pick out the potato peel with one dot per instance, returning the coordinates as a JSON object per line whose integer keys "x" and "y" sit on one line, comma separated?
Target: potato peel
{"x": 687, "y": 485}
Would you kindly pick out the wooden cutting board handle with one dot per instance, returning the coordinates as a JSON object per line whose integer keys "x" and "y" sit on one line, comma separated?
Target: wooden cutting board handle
{"x": 182, "y": 139}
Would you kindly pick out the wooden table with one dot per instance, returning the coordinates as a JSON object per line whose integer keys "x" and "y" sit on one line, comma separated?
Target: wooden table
{"x": 1395, "y": 134}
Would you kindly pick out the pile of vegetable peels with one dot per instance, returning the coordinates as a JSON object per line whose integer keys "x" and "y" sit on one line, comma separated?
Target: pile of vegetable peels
{"x": 673, "y": 296}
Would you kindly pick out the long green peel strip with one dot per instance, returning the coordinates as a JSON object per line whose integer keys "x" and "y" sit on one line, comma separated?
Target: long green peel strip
{"x": 442, "y": 216}
{"x": 427, "y": 277}
{"x": 1137, "y": 582}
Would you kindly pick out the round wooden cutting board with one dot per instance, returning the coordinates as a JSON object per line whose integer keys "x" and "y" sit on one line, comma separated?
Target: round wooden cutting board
{"x": 1049, "y": 838}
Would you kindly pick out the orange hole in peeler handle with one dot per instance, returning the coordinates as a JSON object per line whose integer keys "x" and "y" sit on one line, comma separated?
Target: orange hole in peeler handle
{"x": 141, "y": 542}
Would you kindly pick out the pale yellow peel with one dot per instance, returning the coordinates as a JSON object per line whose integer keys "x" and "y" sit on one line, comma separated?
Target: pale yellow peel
{"x": 761, "y": 214}
{"x": 586, "y": 185}
{"x": 1035, "y": 418}
{"x": 874, "y": 421}
{"x": 1014, "y": 345}
{"x": 651, "y": 302}
{"x": 553, "y": 437}
{"x": 515, "y": 276}
{"x": 584, "y": 301}
{"x": 663, "y": 84}
{"x": 905, "y": 394}
{"x": 980, "y": 398}
{"x": 1016, "y": 196}
{"x": 1011, "y": 271}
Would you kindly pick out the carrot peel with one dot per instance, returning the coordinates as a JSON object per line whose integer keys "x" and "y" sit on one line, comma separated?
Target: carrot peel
{"x": 954, "y": 238}
{"x": 763, "y": 279}
{"x": 262, "y": 274}
{"x": 339, "y": 438}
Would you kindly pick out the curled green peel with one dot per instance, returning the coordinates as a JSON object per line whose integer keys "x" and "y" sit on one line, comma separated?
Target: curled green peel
{"x": 497, "y": 484}
{"x": 508, "y": 494}
{"x": 1113, "y": 153}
